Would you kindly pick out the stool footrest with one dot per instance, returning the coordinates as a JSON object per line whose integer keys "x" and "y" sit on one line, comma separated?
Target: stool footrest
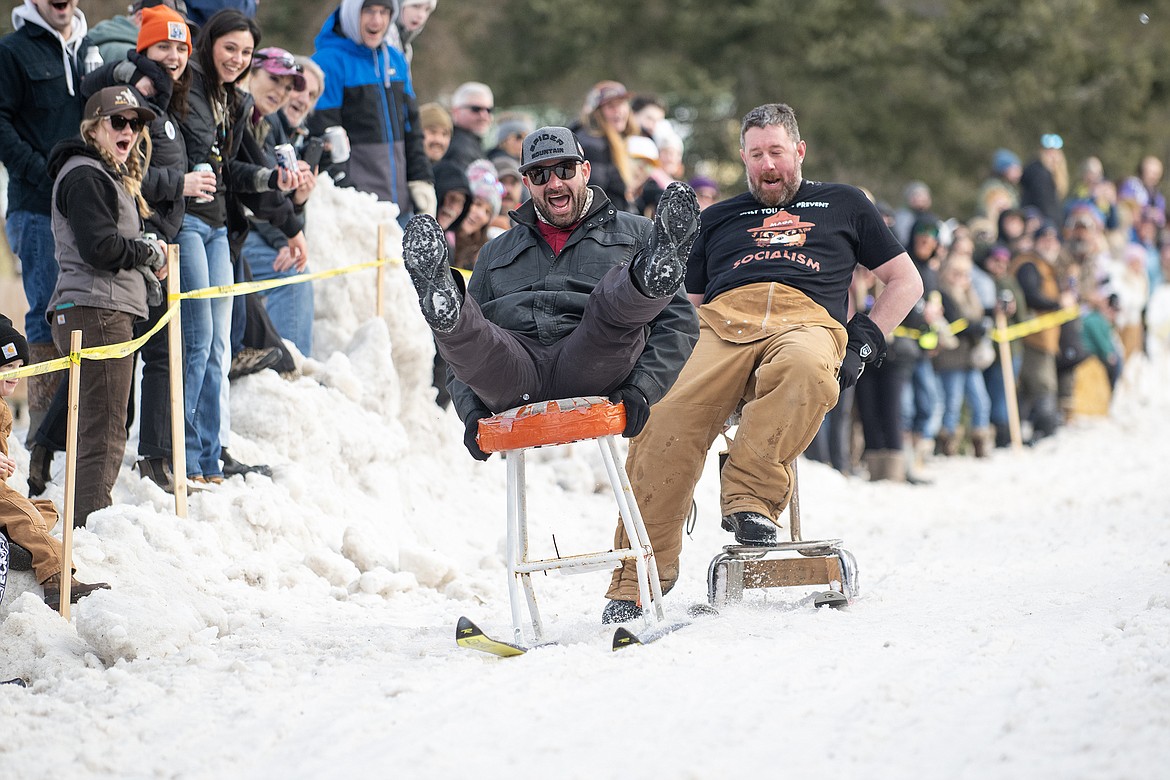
{"x": 570, "y": 561}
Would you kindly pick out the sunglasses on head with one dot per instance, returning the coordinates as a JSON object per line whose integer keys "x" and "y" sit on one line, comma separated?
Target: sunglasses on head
{"x": 564, "y": 171}
{"x": 120, "y": 123}
{"x": 284, "y": 60}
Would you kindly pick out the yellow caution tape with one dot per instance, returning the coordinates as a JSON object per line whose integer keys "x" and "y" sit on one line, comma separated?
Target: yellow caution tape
{"x": 1011, "y": 333}
{"x": 114, "y": 351}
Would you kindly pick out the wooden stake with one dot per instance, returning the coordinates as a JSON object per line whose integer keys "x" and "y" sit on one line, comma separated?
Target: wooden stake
{"x": 1009, "y": 381}
{"x": 175, "y": 359}
{"x": 70, "y": 474}
{"x": 379, "y": 307}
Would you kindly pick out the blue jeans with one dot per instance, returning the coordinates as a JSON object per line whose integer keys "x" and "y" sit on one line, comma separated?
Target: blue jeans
{"x": 290, "y": 308}
{"x": 921, "y": 409}
{"x": 204, "y": 261}
{"x": 966, "y": 384}
{"x": 31, "y": 237}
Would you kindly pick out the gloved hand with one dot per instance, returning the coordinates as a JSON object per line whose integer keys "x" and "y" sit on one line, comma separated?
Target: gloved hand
{"x": 471, "y": 429}
{"x": 144, "y": 66}
{"x": 422, "y": 194}
{"x": 866, "y": 344}
{"x": 637, "y": 408}
{"x": 157, "y": 258}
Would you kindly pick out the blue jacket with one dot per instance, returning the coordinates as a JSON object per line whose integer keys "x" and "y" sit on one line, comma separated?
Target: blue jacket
{"x": 369, "y": 93}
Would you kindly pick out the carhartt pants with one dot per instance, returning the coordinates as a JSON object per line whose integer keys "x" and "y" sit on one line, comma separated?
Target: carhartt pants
{"x": 787, "y": 380}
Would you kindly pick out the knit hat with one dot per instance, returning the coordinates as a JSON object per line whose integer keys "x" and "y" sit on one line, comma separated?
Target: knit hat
{"x": 555, "y": 143}
{"x": 161, "y": 23}
{"x": 1003, "y": 159}
{"x": 604, "y": 92}
{"x": 138, "y": 5}
{"x": 384, "y": 3}
{"x": 485, "y": 184}
{"x": 506, "y": 166}
{"x": 434, "y": 115}
{"x": 279, "y": 62}
{"x": 114, "y": 100}
{"x": 508, "y": 125}
{"x": 13, "y": 346}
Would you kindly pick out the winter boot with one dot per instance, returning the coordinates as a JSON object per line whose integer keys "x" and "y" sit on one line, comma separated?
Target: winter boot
{"x": 425, "y": 255}
{"x": 15, "y": 681}
{"x": 77, "y": 590}
{"x": 158, "y": 471}
{"x": 619, "y": 611}
{"x": 944, "y": 444}
{"x": 981, "y": 442}
{"x": 232, "y": 467}
{"x": 1003, "y": 436}
{"x": 750, "y": 528}
{"x": 676, "y": 223}
{"x": 895, "y": 465}
{"x": 40, "y": 466}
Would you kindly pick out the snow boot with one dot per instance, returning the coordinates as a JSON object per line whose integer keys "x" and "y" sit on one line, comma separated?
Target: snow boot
{"x": 676, "y": 223}
{"x": 619, "y": 611}
{"x": 15, "y": 681}
{"x": 78, "y": 590}
{"x": 233, "y": 468}
{"x": 40, "y": 467}
{"x": 750, "y": 528}
{"x": 158, "y": 471}
{"x": 981, "y": 442}
{"x": 425, "y": 255}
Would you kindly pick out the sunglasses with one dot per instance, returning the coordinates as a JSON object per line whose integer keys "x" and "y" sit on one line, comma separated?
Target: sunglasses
{"x": 283, "y": 60}
{"x": 478, "y": 109}
{"x": 120, "y": 123}
{"x": 565, "y": 171}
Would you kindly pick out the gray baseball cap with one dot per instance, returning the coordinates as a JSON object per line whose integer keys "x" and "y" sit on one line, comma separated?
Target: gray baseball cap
{"x": 550, "y": 143}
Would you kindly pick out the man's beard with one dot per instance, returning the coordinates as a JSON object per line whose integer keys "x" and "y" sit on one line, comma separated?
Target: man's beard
{"x": 578, "y": 199}
{"x": 779, "y": 197}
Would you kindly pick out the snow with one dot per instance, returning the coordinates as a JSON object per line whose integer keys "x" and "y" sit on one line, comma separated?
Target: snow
{"x": 1013, "y": 621}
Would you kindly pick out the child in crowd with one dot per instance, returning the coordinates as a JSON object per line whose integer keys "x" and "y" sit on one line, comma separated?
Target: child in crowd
{"x": 28, "y": 522}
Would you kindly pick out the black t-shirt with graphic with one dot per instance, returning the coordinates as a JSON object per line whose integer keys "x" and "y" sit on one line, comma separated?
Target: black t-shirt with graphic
{"x": 812, "y": 244}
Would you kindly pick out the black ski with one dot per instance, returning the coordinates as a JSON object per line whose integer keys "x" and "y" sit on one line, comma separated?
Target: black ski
{"x": 469, "y": 635}
{"x": 623, "y": 637}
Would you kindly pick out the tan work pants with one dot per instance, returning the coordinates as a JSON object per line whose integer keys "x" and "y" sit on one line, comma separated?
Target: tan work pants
{"x": 769, "y": 347}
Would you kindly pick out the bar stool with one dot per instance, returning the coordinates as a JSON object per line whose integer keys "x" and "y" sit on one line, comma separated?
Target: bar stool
{"x": 563, "y": 421}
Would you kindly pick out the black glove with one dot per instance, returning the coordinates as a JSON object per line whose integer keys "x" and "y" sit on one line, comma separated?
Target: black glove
{"x": 471, "y": 429}
{"x": 866, "y": 344}
{"x": 637, "y": 408}
{"x": 164, "y": 85}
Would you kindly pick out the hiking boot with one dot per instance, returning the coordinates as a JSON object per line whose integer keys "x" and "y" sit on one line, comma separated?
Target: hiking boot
{"x": 77, "y": 590}
{"x": 618, "y": 611}
{"x": 40, "y": 466}
{"x": 750, "y": 528}
{"x": 425, "y": 255}
{"x": 158, "y": 471}
{"x": 250, "y": 360}
{"x": 676, "y": 223}
{"x": 233, "y": 468}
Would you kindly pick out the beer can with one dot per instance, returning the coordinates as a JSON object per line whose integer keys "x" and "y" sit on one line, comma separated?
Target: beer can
{"x": 286, "y": 157}
{"x": 338, "y": 141}
{"x": 204, "y": 168}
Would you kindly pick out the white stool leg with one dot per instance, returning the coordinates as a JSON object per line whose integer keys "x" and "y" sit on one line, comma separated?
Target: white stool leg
{"x": 649, "y": 589}
{"x": 526, "y": 577}
{"x": 517, "y": 542}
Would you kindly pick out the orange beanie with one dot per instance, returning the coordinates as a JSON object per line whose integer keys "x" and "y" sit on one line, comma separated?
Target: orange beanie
{"x": 162, "y": 24}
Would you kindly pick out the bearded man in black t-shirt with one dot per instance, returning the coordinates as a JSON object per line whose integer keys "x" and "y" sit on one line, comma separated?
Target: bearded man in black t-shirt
{"x": 770, "y": 273}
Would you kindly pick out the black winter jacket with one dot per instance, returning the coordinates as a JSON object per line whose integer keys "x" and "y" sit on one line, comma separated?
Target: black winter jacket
{"x": 36, "y": 111}
{"x": 521, "y": 289}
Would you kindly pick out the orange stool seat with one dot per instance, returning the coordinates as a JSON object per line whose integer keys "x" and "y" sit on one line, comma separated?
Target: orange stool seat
{"x": 563, "y": 421}
{"x": 545, "y": 423}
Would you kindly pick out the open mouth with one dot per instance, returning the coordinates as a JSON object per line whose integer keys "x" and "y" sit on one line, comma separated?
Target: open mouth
{"x": 123, "y": 147}
{"x": 60, "y": 6}
{"x": 558, "y": 202}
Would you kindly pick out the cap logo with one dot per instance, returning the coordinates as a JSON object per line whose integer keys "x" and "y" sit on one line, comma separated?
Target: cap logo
{"x": 9, "y": 351}
{"x": 176, "y": 31}
{"x": 126, "y": 98}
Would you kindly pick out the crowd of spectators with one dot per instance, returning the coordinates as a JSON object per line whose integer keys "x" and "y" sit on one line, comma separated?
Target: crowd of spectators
{"x": 217, "y": 113}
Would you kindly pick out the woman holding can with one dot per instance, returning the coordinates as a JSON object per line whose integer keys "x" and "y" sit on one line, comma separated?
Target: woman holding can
{"x": 213, "y": 132}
